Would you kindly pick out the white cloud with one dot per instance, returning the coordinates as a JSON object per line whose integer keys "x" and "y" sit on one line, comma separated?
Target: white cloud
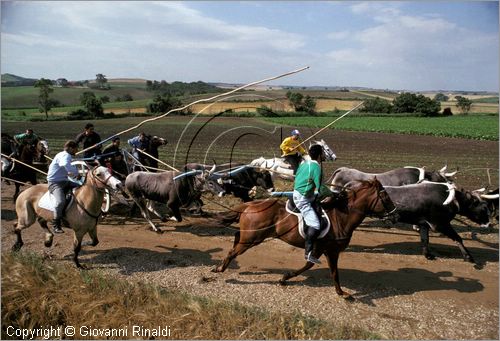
{"x": 339, "y": 35}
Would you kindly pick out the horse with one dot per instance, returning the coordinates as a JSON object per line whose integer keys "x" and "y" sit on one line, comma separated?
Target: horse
{"x": 268, "y": 218}
{"x": 279, "y": 167}
{"x": 9, "y": 149}
{"x": 20, "y": 172}
{"x": 81, "y": 214}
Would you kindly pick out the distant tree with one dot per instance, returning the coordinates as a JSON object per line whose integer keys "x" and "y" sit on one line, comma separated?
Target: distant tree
{"x": 406, "y": 102}
{"x": 105, "y": 99}
{"x": 163, "y": 104}
{"x": 463, "y": 104}
{"x": 295, "y": 99}
{"x": 427, "y": 106}
{"x": 101, "y": 81}
{"x": 376, "y": 105}
{"x": 127, "y": 98}
{"x": 86, "y": 96}
{"x": 309, "y": 105}
{"x": 45, "y": 103}
{"x": 301, "y": 103}
{"x": 92, "y": 104}
{"x": 412, "y": 103}
{"x": 441, "y": 97}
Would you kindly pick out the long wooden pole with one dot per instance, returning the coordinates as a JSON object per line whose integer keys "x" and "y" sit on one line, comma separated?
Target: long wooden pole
{"x": 329, "y": 124}
{"x": 195, "y": 102}
{"x": 22, "y": 163}
{"x": 160, "y": 161}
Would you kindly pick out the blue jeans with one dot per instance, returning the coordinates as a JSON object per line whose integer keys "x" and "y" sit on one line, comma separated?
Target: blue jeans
{"x": 59, "y": 190}
{"x": 304, "y": 204}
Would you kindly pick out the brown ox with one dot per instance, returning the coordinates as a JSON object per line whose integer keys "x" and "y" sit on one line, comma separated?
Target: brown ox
{"x": 268, "y": 218}
{"x": 81, "y": 215}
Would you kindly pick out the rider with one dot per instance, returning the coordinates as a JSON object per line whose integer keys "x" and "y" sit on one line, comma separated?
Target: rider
{"x": 292, "y": 151}
{"x": 27, "y": 138}
{"x": 59, "y": 170}
{"x": 140, "y": 142}
{"x": 116, "y": 161}
{"x": 89, "y": 138}
{"x": 307, "y": 180}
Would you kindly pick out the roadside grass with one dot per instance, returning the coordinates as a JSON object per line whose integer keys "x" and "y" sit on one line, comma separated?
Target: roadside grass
{"x": 66, "y": 296}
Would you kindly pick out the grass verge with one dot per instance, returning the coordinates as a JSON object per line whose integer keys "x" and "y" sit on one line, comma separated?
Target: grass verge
{"x": 36, "y": 293}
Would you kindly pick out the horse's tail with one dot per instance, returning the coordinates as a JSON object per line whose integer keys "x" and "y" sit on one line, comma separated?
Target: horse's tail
{"x": 232, "y": 215}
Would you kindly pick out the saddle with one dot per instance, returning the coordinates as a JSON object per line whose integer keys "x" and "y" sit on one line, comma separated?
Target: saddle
{"x": 325, "y": 223}
{"x": 47, "y": 201}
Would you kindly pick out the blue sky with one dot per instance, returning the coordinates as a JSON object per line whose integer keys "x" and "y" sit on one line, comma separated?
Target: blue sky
{"x": 409, "y": 45}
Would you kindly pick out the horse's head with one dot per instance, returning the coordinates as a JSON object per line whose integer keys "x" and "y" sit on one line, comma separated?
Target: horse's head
{"x": 102, "y": 179}
{"x": 329, "y": 154}
{"x": 158, "y": 141}
{"x": 43, "y": 147}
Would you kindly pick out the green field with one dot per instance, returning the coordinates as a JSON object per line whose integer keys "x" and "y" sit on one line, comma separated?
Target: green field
{"x": 26, "y": 97}
{"x": 479, "y": 127}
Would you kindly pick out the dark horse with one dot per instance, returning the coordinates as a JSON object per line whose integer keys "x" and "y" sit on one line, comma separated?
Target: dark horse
{"x": 19, "y": 172}
{"x": 154, "y": 143}
{"x": 268, "y": 218}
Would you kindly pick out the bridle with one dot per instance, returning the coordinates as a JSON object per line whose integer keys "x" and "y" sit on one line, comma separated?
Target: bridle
{"x": 384, "y": 204}
{"x": 103, "y": 182}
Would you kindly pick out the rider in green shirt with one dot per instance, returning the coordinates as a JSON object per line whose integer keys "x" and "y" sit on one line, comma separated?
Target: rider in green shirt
{"x": 307, "y": 180}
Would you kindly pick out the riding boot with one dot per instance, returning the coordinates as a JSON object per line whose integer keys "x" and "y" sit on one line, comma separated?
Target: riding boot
{"x": 56, "y": 226}
{"x": 311, "y": 236}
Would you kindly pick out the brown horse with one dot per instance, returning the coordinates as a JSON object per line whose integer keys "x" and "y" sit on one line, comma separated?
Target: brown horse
{"x": 27, "y": 154}
{"x": 81, "y": 215}
{"x": 268, "y": 218}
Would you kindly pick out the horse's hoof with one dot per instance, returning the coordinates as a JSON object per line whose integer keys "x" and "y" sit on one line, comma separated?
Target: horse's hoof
{"x": 430, "y": 256}
{"x": 347, "y": 297}
{"x": 469, "y": 259}
{"x": 217, "y": 269}
{"x": 16, "y": 247}
{"x": 164, "y": 219}
{"x": 48, "y": 243}
{"x": 81, "y": 266}
{"x": 282, "y": 282}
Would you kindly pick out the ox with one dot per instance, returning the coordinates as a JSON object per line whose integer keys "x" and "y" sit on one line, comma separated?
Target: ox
{"x": 238, "y": 179}
{"x": 173, "y": 188}
{"x": 431, "y": 204}
{"x": 491, "y": 199}
{"x": 396, "y": 177}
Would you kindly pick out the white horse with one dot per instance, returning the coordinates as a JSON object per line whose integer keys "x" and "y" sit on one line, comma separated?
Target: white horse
{"x": 282, "y": 169}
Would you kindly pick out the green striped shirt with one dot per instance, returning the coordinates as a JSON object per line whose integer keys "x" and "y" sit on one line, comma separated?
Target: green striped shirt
{"x": 308, "y": 177}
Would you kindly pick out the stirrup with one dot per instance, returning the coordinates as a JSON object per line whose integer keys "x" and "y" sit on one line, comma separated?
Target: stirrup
{"x": 311, "y": 259}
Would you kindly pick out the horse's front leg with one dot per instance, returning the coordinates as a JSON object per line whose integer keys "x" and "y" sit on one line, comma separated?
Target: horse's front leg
{"x": 289, "y": 275}
{"x": 333, "y": 258}
{"x": 77, "y": 246}
{"x": 93, "y": 236}
{"x": 238, "y": 248}
{"x": 16, "y": 193}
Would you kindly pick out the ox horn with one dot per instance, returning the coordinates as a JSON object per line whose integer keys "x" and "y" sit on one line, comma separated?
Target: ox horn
{"x": 443, "y": 169}
{"x": 449, "y": 175}
{"x": 490, "y": 196}
{"x": 479, "y": 190}
{"x": 451, "y": 196}
{"x": 213, "y": 169}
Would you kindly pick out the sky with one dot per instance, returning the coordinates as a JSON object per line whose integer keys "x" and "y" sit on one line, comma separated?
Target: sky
{"x": 397, "y": 45}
